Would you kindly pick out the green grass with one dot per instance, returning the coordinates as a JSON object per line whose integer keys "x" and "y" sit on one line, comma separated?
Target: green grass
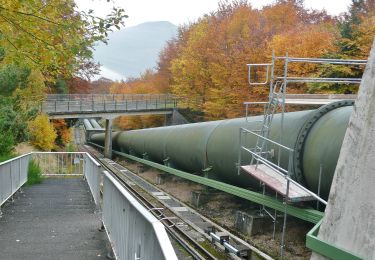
{"x": 71, "y": 147}
{"x": 34, "y": 175}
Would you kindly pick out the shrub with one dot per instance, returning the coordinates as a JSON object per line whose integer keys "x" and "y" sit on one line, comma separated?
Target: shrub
{"x": 34, "y": 175}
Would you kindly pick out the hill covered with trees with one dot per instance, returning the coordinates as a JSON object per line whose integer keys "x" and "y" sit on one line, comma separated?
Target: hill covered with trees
{"x": 205, "y": 64}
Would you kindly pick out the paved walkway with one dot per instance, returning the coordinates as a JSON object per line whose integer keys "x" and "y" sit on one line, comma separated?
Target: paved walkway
{"x": 52, "y": 220}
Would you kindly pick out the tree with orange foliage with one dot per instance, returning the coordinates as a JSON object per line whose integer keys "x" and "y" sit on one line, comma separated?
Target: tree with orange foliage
{"x": 148, "y": 83}
{"x": 62, "y": 131}
{"x": 210, "y": 65}
{"x": 206, "y": 64}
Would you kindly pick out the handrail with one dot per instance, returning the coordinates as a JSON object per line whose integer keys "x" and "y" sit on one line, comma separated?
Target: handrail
{"x": 287, "y": 60}
{"x": 250, "y": 65}
{"x": 321, "y": 80}
{"x": 83, "y": 153}
{"x": 110, "y": 103}
{"x": 267, "y": 139}
{"x": 324, "y": 60}
{"x": 13, "y": 174}
{"x": 279, "y": 170}
{"x": 107, "y": 97}
{"x": 266, "y": 162}
{"x": 152, "y": 225}
{"x": 15, "y": 158}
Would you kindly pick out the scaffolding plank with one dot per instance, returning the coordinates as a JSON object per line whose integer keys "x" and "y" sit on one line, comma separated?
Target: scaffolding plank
{"x": 316, "y": 99}
{"x": 277, "y": 182}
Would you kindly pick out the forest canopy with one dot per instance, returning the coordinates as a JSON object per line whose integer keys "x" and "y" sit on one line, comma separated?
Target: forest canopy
{"x": 44, "y": 44}
{"x": 205, "y": 64}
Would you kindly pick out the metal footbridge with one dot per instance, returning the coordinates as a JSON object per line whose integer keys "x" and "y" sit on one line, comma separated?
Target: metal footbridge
{"x": 83, "y": 213}
{"x": 106, "y": 106}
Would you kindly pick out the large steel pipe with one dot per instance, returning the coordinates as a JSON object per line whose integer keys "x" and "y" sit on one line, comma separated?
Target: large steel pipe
{"x": 87, "y": 124}
{"x": 95, "y": 124}
{"x": 315, "y": 135}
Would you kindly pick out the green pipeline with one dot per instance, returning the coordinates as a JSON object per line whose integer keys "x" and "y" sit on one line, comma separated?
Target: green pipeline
{"x": 315, "y": 135}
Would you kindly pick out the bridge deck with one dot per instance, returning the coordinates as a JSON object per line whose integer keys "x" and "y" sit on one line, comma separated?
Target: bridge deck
{"x": 52, "y": 220}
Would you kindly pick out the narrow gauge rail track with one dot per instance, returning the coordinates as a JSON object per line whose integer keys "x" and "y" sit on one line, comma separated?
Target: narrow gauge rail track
{"x": 191, "y": 246}
{"x": 238, "y": 248}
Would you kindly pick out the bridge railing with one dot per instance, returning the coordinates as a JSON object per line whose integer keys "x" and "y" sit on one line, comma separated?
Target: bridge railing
{"x": 14, "y": 172}
{"x": 65, "y": 164}
{"x": 133, "y": 231}
{"x": 56, "y": 103}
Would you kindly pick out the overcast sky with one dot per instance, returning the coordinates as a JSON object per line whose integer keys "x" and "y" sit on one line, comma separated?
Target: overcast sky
{"x": 183, "y": 11}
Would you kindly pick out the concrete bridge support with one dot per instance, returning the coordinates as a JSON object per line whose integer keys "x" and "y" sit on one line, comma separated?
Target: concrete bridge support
{"x": 108, "y": 139}
{"x": 349, "y": 220}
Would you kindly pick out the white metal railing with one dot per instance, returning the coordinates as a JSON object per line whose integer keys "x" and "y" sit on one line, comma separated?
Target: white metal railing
{"x": 104, "y": 103}
{"x": 133, "y": 231}
{"x": 71, "y": 164}
{"x": 93, "y": 177}
{"x": 270, "y": 67}
{"x": 13, "y": 174}
{"x": 275, "y": 167}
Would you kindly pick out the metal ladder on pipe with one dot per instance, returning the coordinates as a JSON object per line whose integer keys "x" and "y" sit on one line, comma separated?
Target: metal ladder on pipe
{"x": 277, "y": 92}
{"x": 260, "y": 152}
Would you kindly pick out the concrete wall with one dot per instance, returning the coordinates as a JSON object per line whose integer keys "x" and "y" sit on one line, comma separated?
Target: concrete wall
{"x": 349, "y": 220}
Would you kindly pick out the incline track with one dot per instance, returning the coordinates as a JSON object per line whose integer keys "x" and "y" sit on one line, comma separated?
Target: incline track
{"x": 188, "y": 243}
{"x": 182, "y": 223}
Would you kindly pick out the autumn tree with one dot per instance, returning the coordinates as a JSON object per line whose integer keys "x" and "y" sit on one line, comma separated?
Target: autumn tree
{"x": 210, "y": 64}
{"x": 52, "y": 36}
{"x": 42, "y": 133}
{"x": 63, "y": 134}
{"x": 42, "y": 45}
{"x": 357, "y": 30}
{"x": 148, "y": 83}
{"x": 205, "y": 65}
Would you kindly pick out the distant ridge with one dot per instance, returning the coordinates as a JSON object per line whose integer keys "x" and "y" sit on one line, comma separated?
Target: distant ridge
{"x": 132, "y": 50}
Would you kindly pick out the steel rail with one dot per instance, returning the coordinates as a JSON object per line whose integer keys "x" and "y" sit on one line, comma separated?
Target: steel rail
{"x": 192, "y": 247}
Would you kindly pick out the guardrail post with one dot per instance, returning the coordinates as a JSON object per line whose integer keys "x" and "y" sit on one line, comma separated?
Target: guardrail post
{"x": 285, "y": 217}
{"x": 55, "y": 106}
{"x": 11, "y": 181}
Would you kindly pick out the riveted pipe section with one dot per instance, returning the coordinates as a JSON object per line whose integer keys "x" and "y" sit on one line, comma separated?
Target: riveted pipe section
{"x": 315, "y": 135}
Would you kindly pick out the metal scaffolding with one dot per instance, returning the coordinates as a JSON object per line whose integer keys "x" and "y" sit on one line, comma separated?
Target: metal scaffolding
{"x": 261, "y": 167}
